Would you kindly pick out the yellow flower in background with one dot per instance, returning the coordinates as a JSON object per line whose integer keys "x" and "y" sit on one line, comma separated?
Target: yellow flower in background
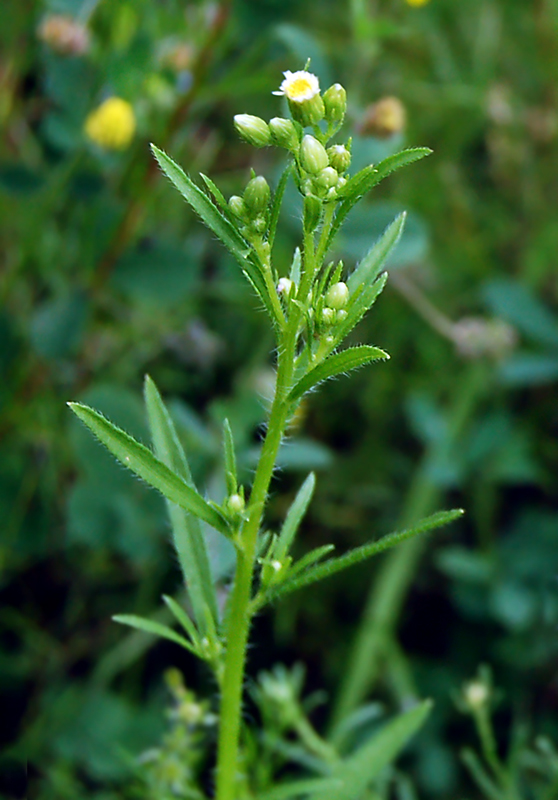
{"x": 112, "y": 125}
{"x": 417, "y": 3}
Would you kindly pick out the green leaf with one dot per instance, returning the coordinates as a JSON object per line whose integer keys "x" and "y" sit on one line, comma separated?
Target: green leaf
{"x": 182, "y": 618}
{"x": 277, "y": 202}
{"x": 369, "y": 268}
{"x": 187, "y": 534}
{"x": 359, "y": 769}
{"x": 294, "y": 517}
{"x": 398, "y": 160}
{"x": 219, "y": 198}
{"x": 220, "y": 223}
{"x": 358, "y": 554}
{"x": 301, "y": 788}
{"x": 148, "y": 626}
{"x": 360, "y": 304}
{"x": 203, "y": 206}
{"x": 230, "y": 458}
{"x": 365, "y": 180}
{"x": 311, "y": 558}
{"x": 338, "y": 363}
{"x": 140, "y": 460}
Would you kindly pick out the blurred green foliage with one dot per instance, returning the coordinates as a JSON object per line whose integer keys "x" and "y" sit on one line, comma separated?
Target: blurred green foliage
{"x": 105, "y": 276}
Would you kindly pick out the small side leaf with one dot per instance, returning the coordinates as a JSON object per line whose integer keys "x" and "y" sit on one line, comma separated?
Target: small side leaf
{"x": 229, "y": 458}
{"x": 277, "y": 202}
{"x": 220, "y": 222}
{"x": 182, "y": 618}
{"x": 369, "y": 268}
{"x": 187, "y": 535}
{"x": 365, "y": 180}
{"x": 294, "y": 517}
{"x": 148, "y": 626}
{"x": 143, "y": 463}
{"x": 203, "y": 206}
{"x": 360, "y": 768}
{"x": 338, "y": 363}
{"x": 358, "y": 554}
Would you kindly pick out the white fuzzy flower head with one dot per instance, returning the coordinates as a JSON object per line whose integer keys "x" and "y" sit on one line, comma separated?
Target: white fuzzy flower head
{"x": 298, "y": 87}
{"x": 476, "y": 694}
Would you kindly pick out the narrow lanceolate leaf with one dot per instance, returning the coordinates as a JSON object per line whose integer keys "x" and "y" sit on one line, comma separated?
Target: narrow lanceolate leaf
{"x": 296, "y": 789}
{"x": 294, "y": 517}
{"x": 334, "y": 565}
{"x": 187, "y": 534}
{"x": 182, "y": 618}
{"x": 369, "y": 268}
{"x": 155, "y": 628}
{"x": 203, "y": 206}
{"x": 365, "y": 180}
{"x": 337, "y": 364}
{"x": 277, "y": 202}
{"x": 359, "y": 305}
{"x": 398, "y": 160}
{"x": 219, "y": 197}
{"x": 229, "y": 458}
{"x": 362, "y": 767}
{"x": 221, "y": 223}
{"x": 143, "y": 463}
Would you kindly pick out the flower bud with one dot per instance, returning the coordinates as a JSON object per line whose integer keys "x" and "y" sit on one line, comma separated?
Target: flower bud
{"x": 337, "y": 296}
{"x": 253, "y": 130}
{"x": 256, "y": 196}
{"x": 236, "y": 205}
{"x": 328, "y": 316}
{"x": 235, "y": 504}
{"x": 335, "y": 102}
{"x": 339, "y": 157}
{"x": 313, "y": 155}
{"x": 327, "y": 178}
{"x": 283, "y": 133}
{"x": 284, "y": 286}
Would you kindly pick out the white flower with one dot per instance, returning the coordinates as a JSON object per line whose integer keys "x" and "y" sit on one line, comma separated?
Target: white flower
{"x": 298, "y": 87}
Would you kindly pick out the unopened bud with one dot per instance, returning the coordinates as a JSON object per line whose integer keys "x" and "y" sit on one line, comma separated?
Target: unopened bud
{"x": 335, "y": 102}
{"x": 476, "y": 694}
{"x": 385, "y": 118}
{"x": 283, "y": 133}
{"x": 235, "y": 504}
{"x": 313, "y": 155}
{"x": 327, "y": 178}
{"x": 328, "y": 316}
{"x": 284, "y": 286}
{"x": 339, "y": 157}
{"x": 337, "y": 296}
{"x": 308, "y": 112}
{"x": 236, "y": 205}
{"x": 253, "y": 130}
{"x": 256, "y": 196}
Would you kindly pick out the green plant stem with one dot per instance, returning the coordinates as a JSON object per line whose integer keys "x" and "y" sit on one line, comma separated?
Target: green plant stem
{"x": 239, "y": 617}
{"x": 386, "y": 598}
{"x": 238, "y": 623}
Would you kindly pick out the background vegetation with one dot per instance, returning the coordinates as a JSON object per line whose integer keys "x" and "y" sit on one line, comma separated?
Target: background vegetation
{"x": 105, "y": 275}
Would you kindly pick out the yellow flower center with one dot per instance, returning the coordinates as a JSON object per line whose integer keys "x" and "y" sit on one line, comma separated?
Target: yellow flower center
{"x": 299, "y": 88}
